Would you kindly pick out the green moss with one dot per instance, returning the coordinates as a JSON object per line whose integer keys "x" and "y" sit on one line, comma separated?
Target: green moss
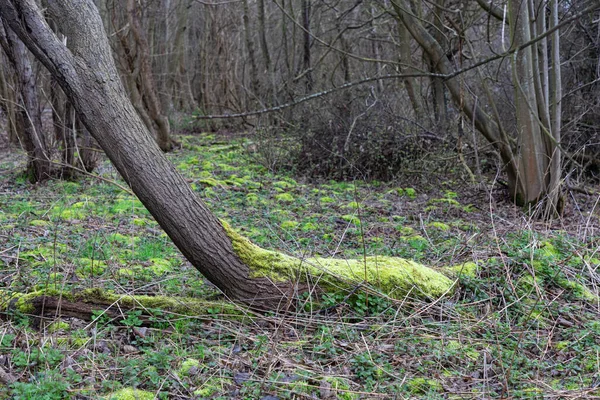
{"x": 456, "y": 346}
{"x": 130, "y": 394}
{"x": 439, "y": 225}
{"x": 140, "y": 222}
{"x": 71, "y": 342}
{"x": 127, "y": 205}
{"x": 120, "y": 238}
{"x": 549, "y": 250}
{"x": 578, "y": 290}
{"x": 252, "y": 198}
{"x": 126, "y": 272}
{"x": 288, "y": 225}
{"x": 69, "y": 214}
{"x": 211, "y": 182}
{"x": 341, "y": 388}
{"x": 179, "y": 305}
{"x": 187, "y": 365}
{"x": 39, "y": 222}
{"x": 284, "y": 198}
{"x": 309, "y": 226}
{"x": 88, "y": 267}
{"x": 160, "y": 266}
{"x": 57, "y": 326}
{"x": 405, "y": 230}
{"x": 466, "y": 269}
{"x": 55, "y": 277}
{"x": 410, "y": 192}
{"x": 423, "y": 385}
{"x": 417, "y": 242}
{"x": 394, "y": 276}
{"x": 83, "y": 204}
{"x": 21, "y": 302}
{"x": 211, "y": 387}
{"x": 353, "y": 219}
{"x": 353, "y": 204}
{"x": 284, "y": 184}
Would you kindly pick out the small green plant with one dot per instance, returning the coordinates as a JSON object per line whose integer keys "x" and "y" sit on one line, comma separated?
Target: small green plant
{"x": 368, "y": 367}
{"x": 42, "y": 358}
{"x": 45, "y": 386}
{"x": 361, "y": 303}
{"x": 132, "y": 319}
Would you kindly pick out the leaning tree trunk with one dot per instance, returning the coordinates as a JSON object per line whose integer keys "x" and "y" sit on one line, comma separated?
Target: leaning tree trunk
{"x": 264, "y": 279}
{"x": 88, "y": 76}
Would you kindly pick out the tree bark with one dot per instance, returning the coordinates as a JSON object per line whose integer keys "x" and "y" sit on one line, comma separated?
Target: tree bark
{"x": 29, "y": 116}
{"x": 438, "y": 90}
{"x": 8, "y": 101}
{"x": 306, "y": 57}
{"x": 532, "y": 102}
{"x": 254, "y": 83}
{"x": 410, "y": 84}
{"x": 163, "y": 134}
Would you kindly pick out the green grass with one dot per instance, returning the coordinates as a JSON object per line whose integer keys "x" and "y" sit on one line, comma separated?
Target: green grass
{"x": 523, "y": 325}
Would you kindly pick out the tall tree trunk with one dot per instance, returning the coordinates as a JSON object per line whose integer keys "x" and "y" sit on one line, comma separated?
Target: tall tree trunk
{"x": 264, "y": 48}
{"x": 555, "y": 197}
{"x": 63, "y": 119}
{"x": 29, "y": 114}
{"x": 531, "y": 179}
{"x": 181, "y": 90}
{"x": 254, "y": 82}
{"x": 440, "y": 106}
{"x": 538, "y": 146}
{"x": 410, "y": 84}
{"x": 306, "y": 58}
{"x": 8, "y": 101}
{"x": 163, "y": 135}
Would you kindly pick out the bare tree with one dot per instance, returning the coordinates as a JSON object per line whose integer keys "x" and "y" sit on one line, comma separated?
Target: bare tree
{"x": 28, "y": 116}
{"x": 531, "y": 155}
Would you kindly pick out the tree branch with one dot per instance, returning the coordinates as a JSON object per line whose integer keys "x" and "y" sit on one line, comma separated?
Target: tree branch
{"x": 319, "y": 94}
{"x": 493, "y": 10}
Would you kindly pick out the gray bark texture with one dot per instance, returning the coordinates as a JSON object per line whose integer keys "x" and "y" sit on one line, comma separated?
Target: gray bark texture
{"x": 28, "y": 116}
{"x": 87, "y": 74}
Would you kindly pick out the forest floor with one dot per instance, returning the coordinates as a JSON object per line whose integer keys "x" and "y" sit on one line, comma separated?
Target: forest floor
{"x": 524, "y": 324}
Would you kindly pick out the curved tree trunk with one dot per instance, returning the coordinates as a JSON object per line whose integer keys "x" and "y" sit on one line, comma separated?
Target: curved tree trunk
{"x": 244, "y": 272}
{"x": 88, "y": 76}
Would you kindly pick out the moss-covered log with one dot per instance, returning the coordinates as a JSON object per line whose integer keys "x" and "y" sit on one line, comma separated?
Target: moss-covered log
{"x": 86, "y": 303}
{"x": 393, "y": 276}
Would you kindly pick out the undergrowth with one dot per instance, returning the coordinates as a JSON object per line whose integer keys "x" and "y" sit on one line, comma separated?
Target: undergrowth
{"x": 523, "y": 324}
